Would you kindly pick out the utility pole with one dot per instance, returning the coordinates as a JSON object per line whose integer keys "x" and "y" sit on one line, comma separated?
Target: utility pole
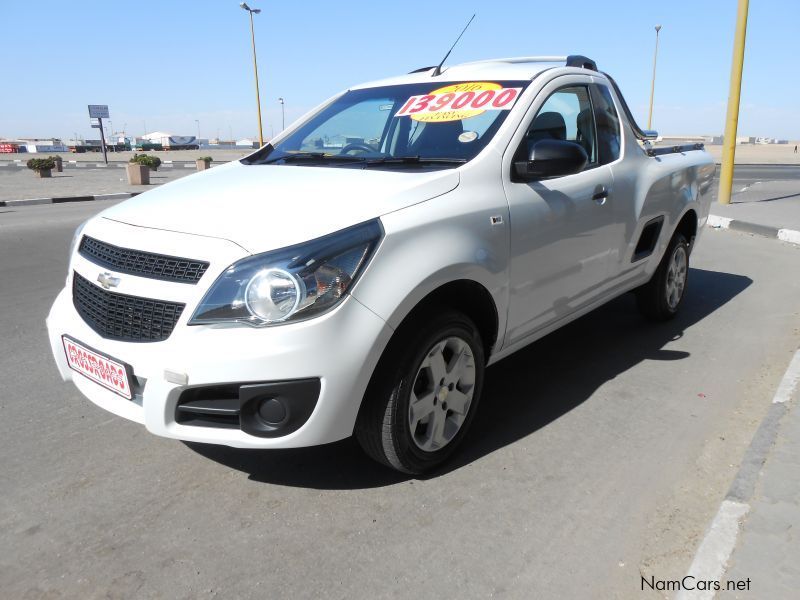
{"x": 283, "y": 114}
{"x": 653, "y": 82}
{"x": 732, "y": 118}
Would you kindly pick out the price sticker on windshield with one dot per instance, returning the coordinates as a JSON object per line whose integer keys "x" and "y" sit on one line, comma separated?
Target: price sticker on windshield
{"x": 459, "y": 101}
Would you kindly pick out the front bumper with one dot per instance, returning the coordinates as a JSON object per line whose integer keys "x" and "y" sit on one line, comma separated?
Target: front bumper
{"x": 340, "y": 348}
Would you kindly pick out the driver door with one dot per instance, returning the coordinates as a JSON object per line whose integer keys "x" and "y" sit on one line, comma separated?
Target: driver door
{"x": 561, "y": 227}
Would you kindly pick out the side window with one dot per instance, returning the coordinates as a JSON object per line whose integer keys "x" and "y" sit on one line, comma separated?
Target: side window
{"x": 565, "y": 115}
{"x": 608, "y": 130}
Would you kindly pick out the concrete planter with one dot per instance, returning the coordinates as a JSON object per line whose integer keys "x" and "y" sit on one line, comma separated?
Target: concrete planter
{"x": 202, "y": 165}
{"x": 138, "y": 174}
{"x": 42, "y": 173}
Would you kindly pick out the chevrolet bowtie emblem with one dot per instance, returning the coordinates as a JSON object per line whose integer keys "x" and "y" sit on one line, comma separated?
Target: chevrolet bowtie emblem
{"x": 107, "y": 280}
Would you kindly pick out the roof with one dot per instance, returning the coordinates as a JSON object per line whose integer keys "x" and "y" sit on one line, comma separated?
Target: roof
{"x": 510, "y": 69}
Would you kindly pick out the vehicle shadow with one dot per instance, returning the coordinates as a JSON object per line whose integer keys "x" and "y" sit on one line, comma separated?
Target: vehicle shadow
{"x": 522, "y": 393}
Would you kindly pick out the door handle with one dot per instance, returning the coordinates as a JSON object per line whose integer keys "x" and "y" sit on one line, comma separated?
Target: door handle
{"x": 600, "y": 195}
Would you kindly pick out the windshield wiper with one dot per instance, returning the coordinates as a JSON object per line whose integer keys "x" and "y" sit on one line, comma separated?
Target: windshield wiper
{"x": 313, "y": 156}
{"x": 414, "y": 160}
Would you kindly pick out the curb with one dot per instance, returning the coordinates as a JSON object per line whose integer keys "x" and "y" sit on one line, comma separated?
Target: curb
{"x": 785, "y": 235}
{"x": 63, "y": 199}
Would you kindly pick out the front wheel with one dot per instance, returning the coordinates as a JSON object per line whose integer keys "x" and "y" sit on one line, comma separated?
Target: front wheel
{"x": 661, "y": 297}
{"x": 424, "y": 393}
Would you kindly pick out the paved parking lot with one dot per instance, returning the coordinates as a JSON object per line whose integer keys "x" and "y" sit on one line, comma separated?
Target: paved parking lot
{"x": 20, "y": 183}
{"x": 599, "y": 453}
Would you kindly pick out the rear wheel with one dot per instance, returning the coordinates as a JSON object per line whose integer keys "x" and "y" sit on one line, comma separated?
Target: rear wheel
{"x": 661, "y": 297}
{"x": 424, "y": 393}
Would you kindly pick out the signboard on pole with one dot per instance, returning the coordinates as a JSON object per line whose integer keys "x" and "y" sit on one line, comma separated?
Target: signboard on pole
{"x": 95, "y": 123}
{"x": 98, "y": 111}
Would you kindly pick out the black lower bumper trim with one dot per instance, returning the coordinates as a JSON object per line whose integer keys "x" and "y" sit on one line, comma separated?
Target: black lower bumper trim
{"x": 268, "y": 409}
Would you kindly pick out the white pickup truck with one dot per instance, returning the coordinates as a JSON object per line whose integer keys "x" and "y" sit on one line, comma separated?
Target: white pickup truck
{"x": 359, "y": 273}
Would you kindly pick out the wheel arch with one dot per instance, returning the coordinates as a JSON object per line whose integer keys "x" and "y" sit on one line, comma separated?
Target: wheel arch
{"x": 687, "y": 225}
{"x": 467, "y": 296}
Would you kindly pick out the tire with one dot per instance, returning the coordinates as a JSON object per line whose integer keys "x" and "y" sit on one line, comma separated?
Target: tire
{"x": 405, "y": 420}
{"x": 660, "y": 298}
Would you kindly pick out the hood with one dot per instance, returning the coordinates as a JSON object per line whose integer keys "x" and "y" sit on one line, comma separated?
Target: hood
{"x": 264, "y": 207}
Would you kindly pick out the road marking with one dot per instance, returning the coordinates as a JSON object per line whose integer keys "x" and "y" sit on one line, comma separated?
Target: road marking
{"x": 789, "y": 382}
{"x": 712, "y": 556}
{"x": 718, "y": 222}
{"x": 789, "y": 235}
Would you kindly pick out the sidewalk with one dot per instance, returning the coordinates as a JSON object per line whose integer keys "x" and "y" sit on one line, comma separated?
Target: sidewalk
{"x": 751, "y": 549}
{"x": 773, "y": 204}
{"x": 768, "y": 550}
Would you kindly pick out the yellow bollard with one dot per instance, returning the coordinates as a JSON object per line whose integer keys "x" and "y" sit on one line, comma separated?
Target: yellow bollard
{"x": 732, "y": 118}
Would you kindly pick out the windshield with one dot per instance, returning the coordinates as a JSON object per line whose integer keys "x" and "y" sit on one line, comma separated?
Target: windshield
{"x": 425, "y": 123}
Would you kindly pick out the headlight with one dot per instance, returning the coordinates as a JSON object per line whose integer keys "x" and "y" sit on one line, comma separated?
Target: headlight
{"x": 292, "y": 283}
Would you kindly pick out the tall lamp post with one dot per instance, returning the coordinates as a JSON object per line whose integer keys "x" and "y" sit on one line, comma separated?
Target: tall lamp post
{"x": 283, "y": 114}
{"x": 197, "y": 121}
{"x": 653, "y": 82}
{"x": 253, "y": 11}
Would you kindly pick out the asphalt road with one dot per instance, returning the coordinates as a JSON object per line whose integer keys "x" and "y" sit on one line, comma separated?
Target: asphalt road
{"x": 599, "y": 453}
{"x": 746, "y": 173}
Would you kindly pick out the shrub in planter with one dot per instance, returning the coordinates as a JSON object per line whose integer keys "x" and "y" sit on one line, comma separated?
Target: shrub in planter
{"x": 41, "y": 166}
{"x": 149, "y": 161}
{"x": 203, "y": 163}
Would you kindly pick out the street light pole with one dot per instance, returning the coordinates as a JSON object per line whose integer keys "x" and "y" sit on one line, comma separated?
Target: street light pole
{"x": 653, "y": 82}
{"x": 255, "y": 66}
{"x": 197, "y": 121}
{"x": 732, "y": 118}
{"x": 283, "y": 114}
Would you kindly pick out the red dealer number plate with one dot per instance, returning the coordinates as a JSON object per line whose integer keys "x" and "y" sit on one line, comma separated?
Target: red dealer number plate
{"x": 99, "y": 368}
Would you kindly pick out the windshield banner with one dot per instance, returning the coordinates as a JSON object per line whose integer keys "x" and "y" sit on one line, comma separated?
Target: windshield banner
{"x": 459, "y": 101}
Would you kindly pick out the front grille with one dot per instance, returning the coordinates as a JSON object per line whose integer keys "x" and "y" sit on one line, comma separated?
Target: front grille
{"x": 121, "y": 317}
{"x": 144, "y": 264}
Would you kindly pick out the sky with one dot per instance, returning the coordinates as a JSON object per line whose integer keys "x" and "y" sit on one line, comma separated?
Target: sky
{"x": 164, "y": 65}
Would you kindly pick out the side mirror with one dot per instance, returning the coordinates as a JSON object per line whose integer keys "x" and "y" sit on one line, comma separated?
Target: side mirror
{"x": 551, "y": 158}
